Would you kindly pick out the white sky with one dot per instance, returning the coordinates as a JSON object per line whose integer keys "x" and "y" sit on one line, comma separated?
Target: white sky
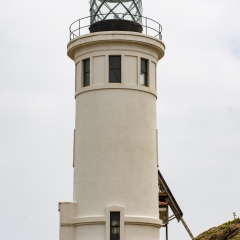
{"x": 198, "y": 112}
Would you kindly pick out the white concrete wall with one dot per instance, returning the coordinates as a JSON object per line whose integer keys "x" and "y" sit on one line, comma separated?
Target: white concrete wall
{"x": 135, "y": 232}
{"x": 115, "y": 159}
{"x": 90, "y": 232}
{"x": 68, "y": 212}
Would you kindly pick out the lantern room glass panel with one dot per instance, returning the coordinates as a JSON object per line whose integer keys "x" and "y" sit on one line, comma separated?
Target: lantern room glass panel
{"x": 130, "y": 10}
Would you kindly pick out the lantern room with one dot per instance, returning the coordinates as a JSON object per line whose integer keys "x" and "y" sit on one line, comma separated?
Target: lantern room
{"x": 118, "y": 15}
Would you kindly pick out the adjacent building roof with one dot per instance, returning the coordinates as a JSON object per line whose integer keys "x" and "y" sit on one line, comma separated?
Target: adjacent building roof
{"x": 163, "y": 188}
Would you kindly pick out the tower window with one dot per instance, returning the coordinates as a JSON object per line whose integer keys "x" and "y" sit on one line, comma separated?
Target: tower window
{"x": 86, "y": 72}
{"x": 144, "y": 72}
{"x": 115, "y": 69}
{"x": 114, "y": 225}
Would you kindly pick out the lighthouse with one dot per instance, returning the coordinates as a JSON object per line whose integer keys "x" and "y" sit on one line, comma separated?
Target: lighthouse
{"x": 115, "y": 188}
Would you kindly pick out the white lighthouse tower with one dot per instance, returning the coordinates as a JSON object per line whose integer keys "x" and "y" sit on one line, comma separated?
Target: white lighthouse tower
{"x": 115, "y": 141}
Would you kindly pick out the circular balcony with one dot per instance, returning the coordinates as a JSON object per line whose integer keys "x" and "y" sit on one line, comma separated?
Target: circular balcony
{"x": 122, "y": 22}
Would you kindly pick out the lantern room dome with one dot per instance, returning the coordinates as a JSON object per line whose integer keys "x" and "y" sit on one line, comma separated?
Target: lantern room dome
{"x": 117, "y": 11}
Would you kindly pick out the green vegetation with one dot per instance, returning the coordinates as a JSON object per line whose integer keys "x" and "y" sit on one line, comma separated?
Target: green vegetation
{"x": 229, "y": 231}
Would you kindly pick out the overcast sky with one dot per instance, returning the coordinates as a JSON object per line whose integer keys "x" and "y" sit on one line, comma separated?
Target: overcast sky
{"x": 198, "y": 112}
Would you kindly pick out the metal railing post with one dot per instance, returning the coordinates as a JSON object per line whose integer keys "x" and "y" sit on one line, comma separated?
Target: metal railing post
{"x": 146, "y": 24}
{"x": 166, "y": 231}
{"x": 79, "y": 26}
{"x": 159, "y": 31}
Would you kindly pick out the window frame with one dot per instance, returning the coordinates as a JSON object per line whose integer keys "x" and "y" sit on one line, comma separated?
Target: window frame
{"x": 86, "y": 82}
{"x": 144, "y": 73}
{"x": 115, "y": 226}
{"x": 114, "y": 69}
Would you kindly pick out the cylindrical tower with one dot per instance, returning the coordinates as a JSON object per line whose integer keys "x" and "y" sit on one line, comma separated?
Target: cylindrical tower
{"x": 115, "y": 140}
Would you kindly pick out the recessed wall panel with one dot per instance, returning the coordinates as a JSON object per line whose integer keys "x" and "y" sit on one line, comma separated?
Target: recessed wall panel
{"x": 78, "y": 76}
{"x": 153, "y": 76}
{"x": 130, "y": 69}
{"x": 98, "y": 70}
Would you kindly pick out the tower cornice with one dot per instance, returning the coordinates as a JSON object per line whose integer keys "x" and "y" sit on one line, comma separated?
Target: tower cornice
{"x": 116, "y": 37}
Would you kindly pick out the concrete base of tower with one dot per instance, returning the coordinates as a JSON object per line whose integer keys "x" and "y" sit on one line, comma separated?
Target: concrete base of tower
{"x": 131, "y": 232}
{"x": 98, "y": 227}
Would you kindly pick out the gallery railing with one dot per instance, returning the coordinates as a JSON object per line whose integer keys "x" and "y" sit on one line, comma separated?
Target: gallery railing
{"x": 149, "y": 26}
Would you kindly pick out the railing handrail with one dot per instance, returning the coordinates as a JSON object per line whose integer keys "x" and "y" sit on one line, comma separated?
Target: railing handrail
{"x": 158, "y": 29}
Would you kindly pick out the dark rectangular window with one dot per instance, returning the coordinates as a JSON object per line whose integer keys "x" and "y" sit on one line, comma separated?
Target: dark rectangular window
{"x": 114, "y": 225}
{"x": 115, "y": 69}
{"x": 86, "y": 72}
{"x": 144, "y": 72}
